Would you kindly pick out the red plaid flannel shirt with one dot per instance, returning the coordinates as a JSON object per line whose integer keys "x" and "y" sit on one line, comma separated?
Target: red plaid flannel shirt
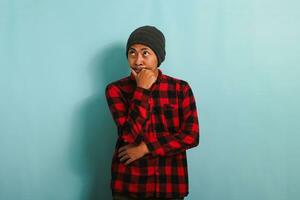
{"x": 165, "y": 118}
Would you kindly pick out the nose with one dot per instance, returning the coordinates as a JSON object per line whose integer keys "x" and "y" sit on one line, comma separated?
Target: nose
{"x": 139, "y": 60}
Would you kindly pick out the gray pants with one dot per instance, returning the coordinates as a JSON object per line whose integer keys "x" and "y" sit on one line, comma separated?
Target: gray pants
{"x": 125, "y": 197}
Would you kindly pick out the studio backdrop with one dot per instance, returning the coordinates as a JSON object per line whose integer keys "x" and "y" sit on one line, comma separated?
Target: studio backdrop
{"x": 241, "y": 59}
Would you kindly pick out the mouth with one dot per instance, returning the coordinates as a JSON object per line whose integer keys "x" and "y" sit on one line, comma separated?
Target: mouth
{"x": 137, "y": 70}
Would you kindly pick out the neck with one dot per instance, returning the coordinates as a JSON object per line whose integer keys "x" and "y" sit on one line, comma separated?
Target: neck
{"x": 156, "y": 73}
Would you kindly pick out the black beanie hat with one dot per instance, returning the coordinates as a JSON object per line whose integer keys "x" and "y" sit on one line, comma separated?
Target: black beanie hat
{"x": 151, "y": 37}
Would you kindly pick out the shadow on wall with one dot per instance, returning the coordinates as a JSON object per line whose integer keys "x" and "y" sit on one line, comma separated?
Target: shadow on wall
{"x": 94, "y": 130}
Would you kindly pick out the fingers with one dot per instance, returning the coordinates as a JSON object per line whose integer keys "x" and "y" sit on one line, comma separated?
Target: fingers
{"x": 134, "y": 73}
{"x": 122, "y": 153}
{"x": 122, "y": 148}
{"x": 129, "y": 153}
{"x": 125, "y": 157}
{"x": 145, "y": 70}
{"x": 129, "y": 161}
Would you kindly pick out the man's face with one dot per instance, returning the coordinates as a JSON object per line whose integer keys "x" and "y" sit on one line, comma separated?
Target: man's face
{"x": 141, "y": 57}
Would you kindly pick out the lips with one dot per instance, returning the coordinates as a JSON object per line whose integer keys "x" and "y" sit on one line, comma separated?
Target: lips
{"x": 137, "y": 70}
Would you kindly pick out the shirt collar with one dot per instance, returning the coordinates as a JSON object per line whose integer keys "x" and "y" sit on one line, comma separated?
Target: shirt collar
{"x": 159, "y": 77}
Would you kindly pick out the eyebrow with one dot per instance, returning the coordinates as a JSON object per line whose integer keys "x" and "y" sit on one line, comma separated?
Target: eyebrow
{"x": 145, "y": 48}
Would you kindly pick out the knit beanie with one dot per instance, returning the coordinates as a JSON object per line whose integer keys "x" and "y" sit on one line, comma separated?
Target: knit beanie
{"x": 151, "y": 37}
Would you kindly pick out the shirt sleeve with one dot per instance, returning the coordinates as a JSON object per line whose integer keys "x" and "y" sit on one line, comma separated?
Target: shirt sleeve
{"x": 188, "y": 134}
{"x": 129, "y": 117}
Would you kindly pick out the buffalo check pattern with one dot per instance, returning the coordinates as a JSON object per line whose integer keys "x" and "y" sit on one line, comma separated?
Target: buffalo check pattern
{"x": 165, "y": 118}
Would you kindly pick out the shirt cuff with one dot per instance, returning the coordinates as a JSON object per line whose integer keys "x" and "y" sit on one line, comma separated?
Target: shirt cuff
{"x": 140, "y": 95}
{"x": 153, "y": 146}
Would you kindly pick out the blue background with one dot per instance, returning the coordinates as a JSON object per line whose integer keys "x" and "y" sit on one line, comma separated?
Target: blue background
{"x": 241, "y": 59}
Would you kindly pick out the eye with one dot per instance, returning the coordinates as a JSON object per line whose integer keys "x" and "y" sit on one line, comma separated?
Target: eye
{"x": 145, "y": 53}
{"x": 131, "y": 52}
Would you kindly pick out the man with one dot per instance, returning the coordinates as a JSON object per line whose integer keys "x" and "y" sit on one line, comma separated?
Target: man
{"x": 157, "y": 122}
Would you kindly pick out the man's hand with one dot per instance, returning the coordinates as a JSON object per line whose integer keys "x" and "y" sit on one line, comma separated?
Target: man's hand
{"x": 132, "y": 152}
{"x": 145, "y": 78}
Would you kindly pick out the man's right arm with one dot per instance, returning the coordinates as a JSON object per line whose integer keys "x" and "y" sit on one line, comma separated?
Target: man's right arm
{"x": 131, "y": 118}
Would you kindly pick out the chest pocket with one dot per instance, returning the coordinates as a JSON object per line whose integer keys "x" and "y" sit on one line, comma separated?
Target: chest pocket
{"x": 165, "y": 118}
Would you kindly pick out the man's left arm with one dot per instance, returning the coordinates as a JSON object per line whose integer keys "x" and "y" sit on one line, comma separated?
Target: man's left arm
{"x": 187, "y": 136}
